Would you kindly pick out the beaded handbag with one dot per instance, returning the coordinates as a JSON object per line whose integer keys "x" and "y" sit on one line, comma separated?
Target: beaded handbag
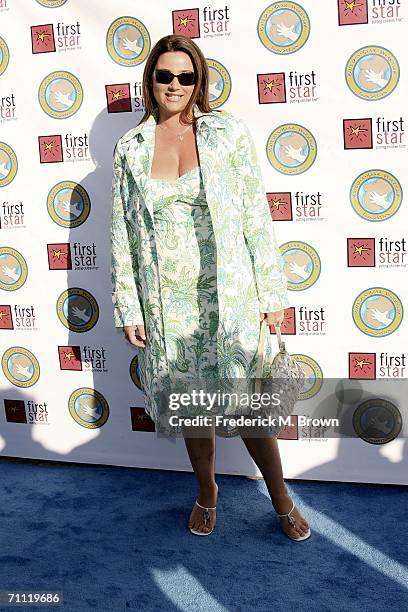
{"x": 284, "y": 377}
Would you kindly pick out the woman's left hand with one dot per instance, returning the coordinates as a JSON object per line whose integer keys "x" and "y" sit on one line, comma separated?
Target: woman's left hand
{"x": 273, "y": 318}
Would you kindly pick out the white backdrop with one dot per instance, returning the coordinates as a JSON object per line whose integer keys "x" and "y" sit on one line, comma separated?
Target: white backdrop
{"x": 322, "y": 86}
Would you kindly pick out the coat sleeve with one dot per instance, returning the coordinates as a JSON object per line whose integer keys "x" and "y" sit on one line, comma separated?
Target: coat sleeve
{"x": 127, "y": 309}
{"x": 259, "y": 227}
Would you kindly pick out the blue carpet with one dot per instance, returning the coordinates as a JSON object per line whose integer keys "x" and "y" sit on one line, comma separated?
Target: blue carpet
{"x": 115, "y": 539}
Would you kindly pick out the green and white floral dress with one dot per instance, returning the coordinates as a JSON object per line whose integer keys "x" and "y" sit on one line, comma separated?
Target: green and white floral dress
{"x": 186, "y": 254}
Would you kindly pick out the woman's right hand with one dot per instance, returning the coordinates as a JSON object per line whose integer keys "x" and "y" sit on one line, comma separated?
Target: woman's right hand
{"x": 135, "y": 334}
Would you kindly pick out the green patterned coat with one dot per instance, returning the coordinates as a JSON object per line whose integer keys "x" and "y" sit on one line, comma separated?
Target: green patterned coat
{"x": 250, "y": 277}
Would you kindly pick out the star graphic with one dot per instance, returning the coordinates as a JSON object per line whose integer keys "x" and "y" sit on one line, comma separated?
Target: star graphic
{"x": 277, "y": 203}
{"x": 356, "y": 130}
{"x": 271, "y": 84}
{"x": 41, "y": 35}
{"x": 118, "y": 94}
{"x": 58, "y": 254}
{"x": 360, "y": 363}
{"x": 350, "y": 6}
{"x": 184, "y": 21}
{"x": 360, "y": 249}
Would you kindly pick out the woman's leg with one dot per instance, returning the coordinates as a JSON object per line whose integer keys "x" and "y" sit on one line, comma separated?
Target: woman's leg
{"x": 265, "y": 452}
{"x": 201, "y": 451}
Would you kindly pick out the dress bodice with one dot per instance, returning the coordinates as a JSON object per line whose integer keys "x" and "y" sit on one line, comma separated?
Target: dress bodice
{"x": 186, "y": 188}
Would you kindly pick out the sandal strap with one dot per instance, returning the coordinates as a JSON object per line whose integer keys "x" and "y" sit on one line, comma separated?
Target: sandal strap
{"x": 288, "y": 512}
{"x": 291, "y": 520}
{"x": 204, "y": 508}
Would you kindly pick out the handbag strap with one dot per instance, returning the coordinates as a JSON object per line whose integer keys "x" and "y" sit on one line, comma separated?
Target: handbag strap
{"x": 261, "y": 345}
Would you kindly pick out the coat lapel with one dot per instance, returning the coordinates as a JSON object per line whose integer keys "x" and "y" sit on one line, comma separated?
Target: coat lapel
{"x": 140, "y": 150}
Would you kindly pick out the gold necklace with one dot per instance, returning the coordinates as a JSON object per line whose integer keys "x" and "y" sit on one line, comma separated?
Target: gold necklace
{"x": 178, "y": 136}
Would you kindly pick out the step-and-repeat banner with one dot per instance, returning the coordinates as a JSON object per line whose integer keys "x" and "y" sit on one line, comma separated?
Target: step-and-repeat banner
{"x": 320, "y": 84}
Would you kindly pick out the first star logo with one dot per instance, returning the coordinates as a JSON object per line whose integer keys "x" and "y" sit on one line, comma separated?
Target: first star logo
{"x": 6, "y": 319}
{"x": 352, "y": 12}
{"x": 280, "y": 205}
{"x": 118, "y": 98}
{"x": 140, "y": 420}
{"x": 358, "y": 133}
{"x": 42, "y": 38}
{"x": 271, "y": 88}
{"x": 59, "y": 256}
{"x": 50, "y": 149}
{"x": 290, "y": 432}
{"x": 186, "y": 22}
{"x": 360, "y": 252}
{"x": 288, "y": 325}
{"x": 15, "y": 411}
{"x": 362, "y": 366}
{"x": 70, "y": 358}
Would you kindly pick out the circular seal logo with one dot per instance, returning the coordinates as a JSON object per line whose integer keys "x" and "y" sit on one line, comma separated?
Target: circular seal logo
{"x": 13, "y": 269}
{"x": 377, "y": 312}
{"x": 68, "y": 204}
{"x": 377, "y": 421}
{"x": 20, "y": 366}
{"x": 283, "y": 27}
{"x": 128, "y": 41}
{"x": 372, "y": 73}
{"x": 4, "y": 55}
{"x": 219, "y": 83}
{"x": 8, "y": 164}
{"x": 60, "y": 94}
{"x": 51, "y": 3}
{"x": 88, "y": 408}
{"x": 135, "y": 374}
{"x": 291, "y": 149}
{"x": 313, "y": 376}
{"x": 301, "y": 265}
{"x": 77, "y": 309}
{"x": 376, "y": 195}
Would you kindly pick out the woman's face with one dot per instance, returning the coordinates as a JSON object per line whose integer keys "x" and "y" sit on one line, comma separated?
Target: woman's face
{"x": 173, "y": 98}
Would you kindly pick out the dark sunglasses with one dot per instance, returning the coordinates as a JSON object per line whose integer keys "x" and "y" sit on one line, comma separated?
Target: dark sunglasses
{"x": 165, "y": 77}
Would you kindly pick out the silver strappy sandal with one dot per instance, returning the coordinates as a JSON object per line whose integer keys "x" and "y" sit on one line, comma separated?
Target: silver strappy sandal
{"x": 206, "y": 516}
{"x": 292, "y": 521}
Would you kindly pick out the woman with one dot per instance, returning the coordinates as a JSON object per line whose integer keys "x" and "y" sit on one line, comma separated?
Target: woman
{"x": 195, "y": 263}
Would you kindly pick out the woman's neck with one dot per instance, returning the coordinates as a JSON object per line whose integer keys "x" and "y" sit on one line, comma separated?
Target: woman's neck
{"x": 172, "y": 121}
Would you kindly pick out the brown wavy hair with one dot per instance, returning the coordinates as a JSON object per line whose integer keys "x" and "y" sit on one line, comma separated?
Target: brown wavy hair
{"x": 199, "y": 97}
